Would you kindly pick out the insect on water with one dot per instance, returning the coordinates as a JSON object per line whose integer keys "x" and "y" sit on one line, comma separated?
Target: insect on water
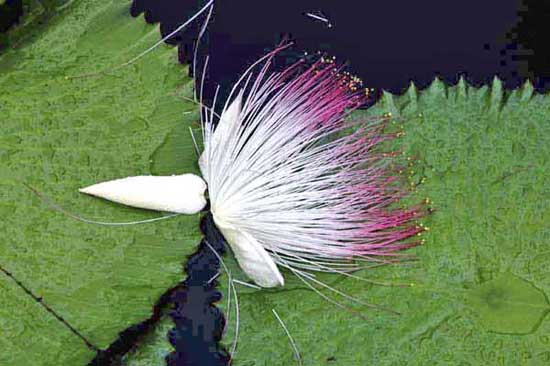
{"x": 292, "y": 183}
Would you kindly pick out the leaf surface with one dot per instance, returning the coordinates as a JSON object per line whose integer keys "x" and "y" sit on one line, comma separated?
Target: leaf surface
{"x": 61, "y": 133}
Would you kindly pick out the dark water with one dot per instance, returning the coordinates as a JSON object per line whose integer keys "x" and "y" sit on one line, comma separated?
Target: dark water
{"x": 387, "y": 44}
{"x": 10, "y": 14}
{"x": 198, "y": 323}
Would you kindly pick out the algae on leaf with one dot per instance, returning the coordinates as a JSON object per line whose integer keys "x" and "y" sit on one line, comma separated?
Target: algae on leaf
{"x": 509, "y": 304}
{"x": 60, "y": 134}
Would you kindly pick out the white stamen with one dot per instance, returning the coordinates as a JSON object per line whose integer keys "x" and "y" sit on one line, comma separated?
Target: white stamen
{"x": 317, "y": 17}
{"x": 292, "y": 343}
{"x": 247, "y": 284}
{"x": 320, "y": 17}
{"x": 213, "y": 278}
{"x": 189, "y": 21}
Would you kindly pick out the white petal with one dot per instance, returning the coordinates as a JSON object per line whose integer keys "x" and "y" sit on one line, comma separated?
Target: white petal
{"x": 177, "y": 193}
{"x": 253, "y": 259}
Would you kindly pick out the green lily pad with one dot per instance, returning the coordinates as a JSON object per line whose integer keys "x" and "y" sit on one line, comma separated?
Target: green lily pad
{"x": 60, "y": 132}
{"x": 509, "y": 304}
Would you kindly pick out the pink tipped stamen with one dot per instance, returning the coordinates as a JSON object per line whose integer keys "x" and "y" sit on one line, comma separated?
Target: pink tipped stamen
{"x": 297, "y": 188}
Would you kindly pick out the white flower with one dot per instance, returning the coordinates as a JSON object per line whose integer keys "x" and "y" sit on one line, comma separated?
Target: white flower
{"x": 288, "y": 184}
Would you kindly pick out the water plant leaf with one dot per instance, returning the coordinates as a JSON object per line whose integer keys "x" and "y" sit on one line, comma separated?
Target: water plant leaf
{"x": 61, "y": 133}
